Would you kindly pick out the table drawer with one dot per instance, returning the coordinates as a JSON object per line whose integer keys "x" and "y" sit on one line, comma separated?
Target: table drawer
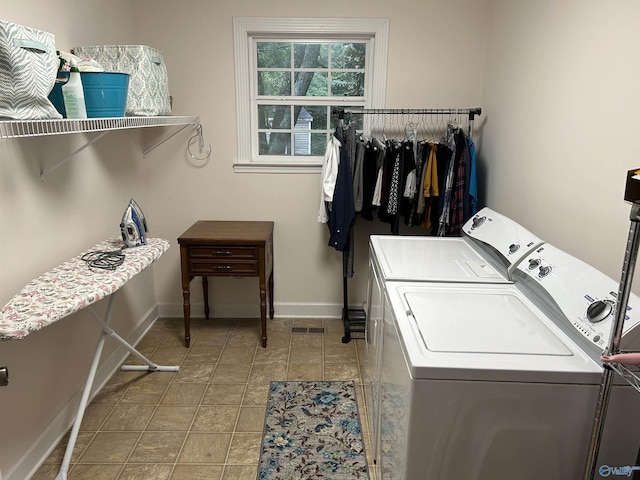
{"x": 223, "y": 267}
{"x": 223, "y": 252}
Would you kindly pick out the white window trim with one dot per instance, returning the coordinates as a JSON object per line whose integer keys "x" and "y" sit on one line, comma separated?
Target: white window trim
{"x": 244, "y": 28}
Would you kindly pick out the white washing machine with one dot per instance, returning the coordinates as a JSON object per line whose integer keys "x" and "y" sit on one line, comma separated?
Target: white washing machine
{"x": 490, "y": 248}
{"x": 498, "y": 381}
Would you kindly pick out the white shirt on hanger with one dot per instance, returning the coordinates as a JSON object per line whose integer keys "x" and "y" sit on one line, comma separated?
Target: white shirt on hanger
{"x": 328, "y": 176}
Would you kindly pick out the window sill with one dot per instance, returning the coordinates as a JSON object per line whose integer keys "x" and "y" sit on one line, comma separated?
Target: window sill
{"x": 280, "y": 167}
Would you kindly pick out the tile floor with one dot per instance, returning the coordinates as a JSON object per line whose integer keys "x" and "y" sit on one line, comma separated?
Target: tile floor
{"x": 205, "y": 421}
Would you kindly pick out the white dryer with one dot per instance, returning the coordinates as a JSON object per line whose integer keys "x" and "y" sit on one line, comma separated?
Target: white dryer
{"x": 496, "y": 381}
{"x": 488, "y": 250}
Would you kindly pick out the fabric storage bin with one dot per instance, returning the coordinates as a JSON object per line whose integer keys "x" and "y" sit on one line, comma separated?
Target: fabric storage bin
{"x": 148, "y": 84}
{"x": 28, "y": 67}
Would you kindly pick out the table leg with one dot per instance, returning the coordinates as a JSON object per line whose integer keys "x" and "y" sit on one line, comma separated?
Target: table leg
{"x": 263, "y": 311}
{"x": 271, "y": 295}
{"x": 205, "y": 295}
{"x": 186, "y": 294}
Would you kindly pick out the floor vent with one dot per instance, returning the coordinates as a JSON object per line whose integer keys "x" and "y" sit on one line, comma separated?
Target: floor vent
{"x": 307, "y": 330}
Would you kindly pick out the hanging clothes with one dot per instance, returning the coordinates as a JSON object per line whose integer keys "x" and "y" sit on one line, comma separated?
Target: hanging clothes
{"x": 473, "y": 180}
{"x": 445, "y": 215}
{"x": 460, "y": 193}
{"x": 343, "y": 213}
{"x": 336, "y": 197}
{"x": 369, "y": 176}
{"x": 443, "y": 156}
{"x": 431, "y": 191}
{"x": 328, "y": 177}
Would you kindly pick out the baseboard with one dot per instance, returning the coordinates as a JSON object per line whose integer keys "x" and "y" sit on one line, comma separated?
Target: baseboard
{"x": 248, "y": 310}
{"x": 28, "y": 465}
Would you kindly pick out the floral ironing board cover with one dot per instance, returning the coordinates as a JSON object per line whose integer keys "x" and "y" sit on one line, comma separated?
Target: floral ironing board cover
{"x": 73, "y": 286}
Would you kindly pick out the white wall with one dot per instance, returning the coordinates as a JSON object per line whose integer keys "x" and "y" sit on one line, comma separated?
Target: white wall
{"x": 561, "y": 98}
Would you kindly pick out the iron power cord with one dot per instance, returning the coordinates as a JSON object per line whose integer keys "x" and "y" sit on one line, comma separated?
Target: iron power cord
{"x": 104, "y": 260}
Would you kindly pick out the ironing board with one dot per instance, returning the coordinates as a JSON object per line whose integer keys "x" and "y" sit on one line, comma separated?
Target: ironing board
{"x": 71, "y": 287}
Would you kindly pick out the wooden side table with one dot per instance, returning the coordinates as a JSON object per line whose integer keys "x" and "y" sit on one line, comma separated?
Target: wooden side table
{"x": 227, "y": 249}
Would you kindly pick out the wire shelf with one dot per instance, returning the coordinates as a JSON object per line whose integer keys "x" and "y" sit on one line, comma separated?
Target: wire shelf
{"x": 630, "y": 373}
{"x": 36, "y": 128}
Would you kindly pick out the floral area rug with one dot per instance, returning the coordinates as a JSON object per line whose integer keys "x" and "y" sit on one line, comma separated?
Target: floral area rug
{"x": 312, "y": 430}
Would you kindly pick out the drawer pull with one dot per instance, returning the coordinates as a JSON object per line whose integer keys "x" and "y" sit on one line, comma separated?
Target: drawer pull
{"x": 220, "y": 253}
{"x": 225, "y": 268}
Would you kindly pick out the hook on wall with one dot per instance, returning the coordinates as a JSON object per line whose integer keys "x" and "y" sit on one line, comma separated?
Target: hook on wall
{"x": 198, "y": 136}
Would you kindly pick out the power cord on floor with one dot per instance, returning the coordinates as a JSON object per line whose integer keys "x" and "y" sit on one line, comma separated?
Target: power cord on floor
{"x": 104, "y": 260}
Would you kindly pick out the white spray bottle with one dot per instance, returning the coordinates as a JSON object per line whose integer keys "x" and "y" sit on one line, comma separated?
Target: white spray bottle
{"x": 73, "y": 94}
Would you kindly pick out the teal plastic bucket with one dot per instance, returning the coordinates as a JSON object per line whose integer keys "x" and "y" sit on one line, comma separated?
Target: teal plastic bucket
{"x": 105, "y": 93}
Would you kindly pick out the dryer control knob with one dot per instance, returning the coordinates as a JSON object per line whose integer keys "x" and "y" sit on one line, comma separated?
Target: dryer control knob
{"x": 599, "y": 310}
{"x": 544, "y": 271}
{"x": 477, "y": 221}
{"x": 513, "y": 248}
{"x": 533, "y": 263}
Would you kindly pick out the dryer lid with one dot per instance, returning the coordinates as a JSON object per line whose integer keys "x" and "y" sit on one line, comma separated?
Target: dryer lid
{"x": 441, "y": 259}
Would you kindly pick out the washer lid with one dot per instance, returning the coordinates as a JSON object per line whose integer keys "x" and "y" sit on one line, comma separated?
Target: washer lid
{"x": 481, "y": 322}
{"x": 442, "y": 259}
{"x": 480, "y": 332}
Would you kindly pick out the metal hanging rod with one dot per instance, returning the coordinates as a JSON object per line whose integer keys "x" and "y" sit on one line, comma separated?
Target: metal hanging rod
{"x": 410, "y": 111}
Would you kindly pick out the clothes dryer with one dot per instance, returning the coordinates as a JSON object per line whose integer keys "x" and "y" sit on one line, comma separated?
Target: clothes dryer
{"x": 490, "y": 247}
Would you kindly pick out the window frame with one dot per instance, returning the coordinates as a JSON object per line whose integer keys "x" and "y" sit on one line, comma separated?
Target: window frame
{"x": 246, "y": 29}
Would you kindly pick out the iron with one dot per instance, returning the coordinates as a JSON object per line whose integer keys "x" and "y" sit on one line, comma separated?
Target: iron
{"x": 133, "y": 226}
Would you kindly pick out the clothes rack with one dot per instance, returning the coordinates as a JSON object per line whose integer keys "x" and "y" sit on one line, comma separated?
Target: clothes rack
{"x": 354, "y": 319}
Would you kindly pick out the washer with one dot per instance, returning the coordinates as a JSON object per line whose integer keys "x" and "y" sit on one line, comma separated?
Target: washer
{"x": 496, "y": 381}
{"x": 490, "y": 248}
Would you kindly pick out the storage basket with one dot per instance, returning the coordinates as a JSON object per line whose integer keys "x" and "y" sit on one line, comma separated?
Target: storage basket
{"x": 148, "y": 84}
{"x": 28, "y": 66}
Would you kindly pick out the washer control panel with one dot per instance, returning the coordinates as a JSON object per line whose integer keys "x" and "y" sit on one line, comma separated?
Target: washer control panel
{"x": 586, "y": 297}
{"x": 510, "y": 239}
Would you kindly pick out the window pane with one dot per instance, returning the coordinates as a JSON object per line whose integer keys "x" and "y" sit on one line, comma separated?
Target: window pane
{"x": 347, "y": 84}
{"x": 274, "y": 116}
{"x": 348, "y": 55}
{"x": 275, "y": 143}
{"x": 274, "y": 83}
{"x": 316, "y": 115}
{"x": 311, "y": 84}
{"x": 307, "y": 143}
{"x": 319, "y": 143}
{"x": 310, "y": 55}
{"x": 274, "y": 55}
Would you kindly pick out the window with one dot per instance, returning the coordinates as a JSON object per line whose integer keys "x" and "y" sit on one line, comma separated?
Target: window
{"x": 290, "y": 75}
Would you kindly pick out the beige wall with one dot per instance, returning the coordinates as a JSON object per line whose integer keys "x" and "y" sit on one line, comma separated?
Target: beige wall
{"x": 80, "y": 203}
{"x": 561, "y": 97}
{"x": 428, "y": 65}
{"x": 557, "y": 82}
